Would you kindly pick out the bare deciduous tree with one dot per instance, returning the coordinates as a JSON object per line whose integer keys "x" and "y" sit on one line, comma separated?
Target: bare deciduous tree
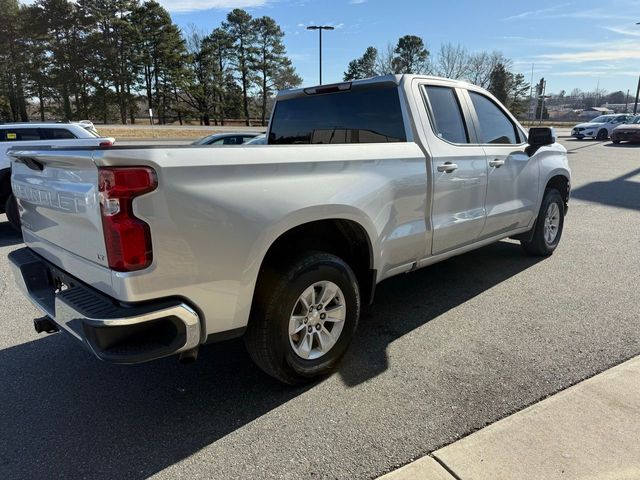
{"x": 481, "y": 64}
{"x": 452, "y": 61}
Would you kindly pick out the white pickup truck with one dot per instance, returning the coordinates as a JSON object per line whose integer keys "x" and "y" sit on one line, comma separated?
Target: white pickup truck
{"x": 19, "y": 135}
{"x": 141, "y": 253}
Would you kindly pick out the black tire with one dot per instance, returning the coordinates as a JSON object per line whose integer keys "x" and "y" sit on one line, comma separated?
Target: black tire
{"x": 602, "y": 134}
{"x": 11, "y": 209}
{"x": 538, "y": 245}
{"x": 616, "y": 141}
{"x": 277, "y": 294}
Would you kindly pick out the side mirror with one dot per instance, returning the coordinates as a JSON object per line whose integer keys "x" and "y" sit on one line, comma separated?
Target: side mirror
{"x": 541, "y": 136}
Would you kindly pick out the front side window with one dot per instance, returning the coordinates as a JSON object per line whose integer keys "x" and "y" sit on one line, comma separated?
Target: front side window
{"x": 602, "y": 119}
{"x": 370, "y": 115}
{"x": 21, "y": 134}
{"x": 495, "y": 126}
{"x": 233, "y": 141}
{"x": 446, "y": 114}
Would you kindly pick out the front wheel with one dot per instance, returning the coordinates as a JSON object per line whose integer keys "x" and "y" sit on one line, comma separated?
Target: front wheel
{"x": 303, "y": 318}
{"x": 11, "y": 209}
{"x": 549, "y": 225}
{"x": 616, "y": 141}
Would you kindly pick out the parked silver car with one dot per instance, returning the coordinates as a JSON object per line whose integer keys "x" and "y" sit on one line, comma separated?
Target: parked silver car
{"x": 232, "y": 138}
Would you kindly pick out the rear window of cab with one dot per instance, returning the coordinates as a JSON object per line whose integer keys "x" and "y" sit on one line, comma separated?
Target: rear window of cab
{"x": 362, "y": 115}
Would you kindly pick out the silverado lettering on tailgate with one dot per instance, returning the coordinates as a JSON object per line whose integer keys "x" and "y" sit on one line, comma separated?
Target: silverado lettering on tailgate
{"x": 61, "y": 201}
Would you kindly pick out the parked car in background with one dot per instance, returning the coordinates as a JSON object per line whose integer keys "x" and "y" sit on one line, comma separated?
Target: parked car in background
{"x": 166, "y": 249}
{"x": 629, "y": 132}
{"x": 600, "y": 127}
{"x": 81, "y": 134}
{"x": 235, "y": 138}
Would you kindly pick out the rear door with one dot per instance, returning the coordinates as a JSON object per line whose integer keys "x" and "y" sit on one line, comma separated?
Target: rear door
{"x": 512, "y": 191}
{"x": 459, "y": 171}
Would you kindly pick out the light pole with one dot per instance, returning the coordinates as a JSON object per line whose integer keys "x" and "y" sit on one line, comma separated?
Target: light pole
{"x": 320, "y": 28}
{"x": 635, "y": 105}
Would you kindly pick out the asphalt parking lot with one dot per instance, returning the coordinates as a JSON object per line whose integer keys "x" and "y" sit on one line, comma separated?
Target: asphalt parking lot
{"x": 442, "y": 352}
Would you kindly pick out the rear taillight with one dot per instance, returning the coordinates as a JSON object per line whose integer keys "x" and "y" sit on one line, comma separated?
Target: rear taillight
{"x": 127, "y": 238}
{"x": 106, "y": 143}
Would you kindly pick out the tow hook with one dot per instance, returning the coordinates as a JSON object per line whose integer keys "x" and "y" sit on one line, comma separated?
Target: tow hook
{"x": 188, "y": 356}
{"x": 45, "y": 324}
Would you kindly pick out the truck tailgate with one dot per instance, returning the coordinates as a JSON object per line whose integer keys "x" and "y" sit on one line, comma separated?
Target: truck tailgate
{"x": 57, "y": 193}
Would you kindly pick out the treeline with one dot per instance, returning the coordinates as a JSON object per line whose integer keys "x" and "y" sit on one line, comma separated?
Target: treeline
{"x": 577, "y": 99}
{"x": 490, "y": 70}
{"x": 108, "y": 59}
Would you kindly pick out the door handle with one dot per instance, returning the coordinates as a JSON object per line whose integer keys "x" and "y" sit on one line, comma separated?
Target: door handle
{"x": 496, "y": 163}
{"x": 447, "y": 167}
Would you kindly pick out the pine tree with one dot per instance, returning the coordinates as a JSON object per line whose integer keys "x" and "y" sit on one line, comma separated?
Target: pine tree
{"x": 363, "y": 67}
{"x": 272, "y": 65}
{"x": 239, "y": 26}
{"x": 499, "y": 83}
{"x": 410, "y": 55}
{"x": 13, "y": 105}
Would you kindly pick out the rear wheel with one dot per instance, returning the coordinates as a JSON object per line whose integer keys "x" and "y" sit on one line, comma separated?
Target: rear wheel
{"x": 11, "y": 209}
{"x": 549, "y": 225}
{"x": 602, "y": 134}
{"x": 303, "y": 318}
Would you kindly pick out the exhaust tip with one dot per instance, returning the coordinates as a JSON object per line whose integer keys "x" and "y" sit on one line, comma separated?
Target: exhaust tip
{"x": 45, "y": 324}
{"x": 188, "y": 356}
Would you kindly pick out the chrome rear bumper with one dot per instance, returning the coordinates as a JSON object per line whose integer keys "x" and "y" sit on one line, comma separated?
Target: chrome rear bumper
{"x": 113, "y": 331}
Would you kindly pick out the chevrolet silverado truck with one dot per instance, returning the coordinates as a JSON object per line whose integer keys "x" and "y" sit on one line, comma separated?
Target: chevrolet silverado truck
{"x": 141, "y": 252}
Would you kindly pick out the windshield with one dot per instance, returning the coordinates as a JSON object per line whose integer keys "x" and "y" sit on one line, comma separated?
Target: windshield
{"x": 602, "y": 119}
{"x": 636, "y": 120}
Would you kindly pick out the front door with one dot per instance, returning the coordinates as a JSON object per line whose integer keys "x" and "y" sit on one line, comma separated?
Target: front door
{"x": 512, "y": 190}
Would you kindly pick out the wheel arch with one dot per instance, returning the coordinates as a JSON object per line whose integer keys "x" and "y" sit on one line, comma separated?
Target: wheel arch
{"x": 343, "y": 237}
{"x": 561, "y": 182}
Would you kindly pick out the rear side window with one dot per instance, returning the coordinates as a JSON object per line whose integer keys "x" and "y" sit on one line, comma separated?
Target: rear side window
{"x": 357, "y": 116}
{"x": 495, "y": 126}
{"x": 56, "y": 134}
{"x": 62, "y": 134}
{"x": 446, "y": 114}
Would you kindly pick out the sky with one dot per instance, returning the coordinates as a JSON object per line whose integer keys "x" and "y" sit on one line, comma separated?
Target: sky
{"x": 585, "y": 44}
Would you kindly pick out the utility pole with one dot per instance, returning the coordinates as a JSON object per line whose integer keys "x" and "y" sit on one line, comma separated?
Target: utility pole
{"x": 626, "y": 103}
{"x": 530, "y": 95}
{"x": 635, "y": 105}
{"x": 320, "y": 28}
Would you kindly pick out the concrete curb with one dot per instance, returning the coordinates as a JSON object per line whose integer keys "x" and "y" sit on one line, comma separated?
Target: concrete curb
{"x": 590, "y": 430}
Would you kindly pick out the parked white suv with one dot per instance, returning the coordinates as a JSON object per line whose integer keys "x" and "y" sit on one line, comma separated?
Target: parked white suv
{"x": 82, "y": 134}
{"x": 600, "y": 127}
